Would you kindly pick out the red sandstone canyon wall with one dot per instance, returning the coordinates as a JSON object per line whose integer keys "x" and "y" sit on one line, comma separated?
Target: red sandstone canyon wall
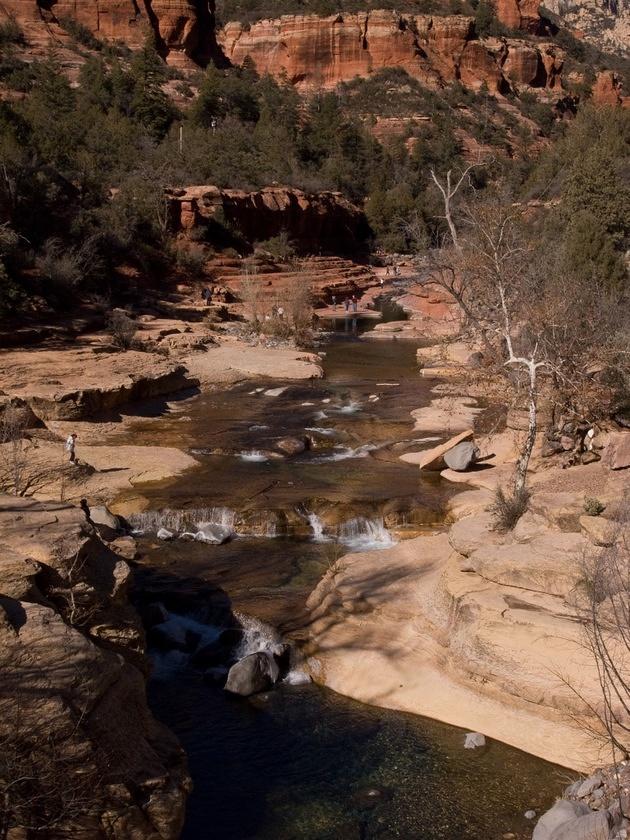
{"x": 317, "y": 52}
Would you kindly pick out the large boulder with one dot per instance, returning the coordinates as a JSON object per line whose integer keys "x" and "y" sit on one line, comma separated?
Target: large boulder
{"x": 433, "y": 459}
{"x": 617, "y": 455}
{"x": 254, "y": 673}
{"x": 462, "y": 456}
{"x": 562, "y": 813}
{"x": 213, "y": 532}
{"x": 594, "y": 826}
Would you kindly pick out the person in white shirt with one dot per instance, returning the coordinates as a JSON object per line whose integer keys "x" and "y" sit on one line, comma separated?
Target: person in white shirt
{"x": 70, "y": 444}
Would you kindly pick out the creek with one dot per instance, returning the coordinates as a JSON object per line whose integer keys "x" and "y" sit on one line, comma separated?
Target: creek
{"x": 301, "y": 762}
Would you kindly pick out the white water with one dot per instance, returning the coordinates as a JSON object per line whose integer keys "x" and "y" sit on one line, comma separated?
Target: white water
{"x": 317, "y": 527}
{"x": 258, "y": 636}
{"x": 254, "y": 455}
{"x": 343, "y": 453}
{"x": 320, "y": 415}
{"x": 362, "y": 534}
{"x": 181, "y": 521}
{"x": 350, "y": 408}
{"x": 320, "y": 430}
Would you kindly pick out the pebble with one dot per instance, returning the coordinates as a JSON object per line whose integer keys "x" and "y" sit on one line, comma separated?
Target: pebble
{"x": 530, "y": 815}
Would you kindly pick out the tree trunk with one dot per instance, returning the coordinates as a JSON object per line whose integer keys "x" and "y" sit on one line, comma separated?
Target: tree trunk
{"x": 523, "y": 461}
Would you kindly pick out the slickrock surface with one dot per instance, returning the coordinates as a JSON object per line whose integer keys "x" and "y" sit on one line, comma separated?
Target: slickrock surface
{"x": 474, "y": 627}
{"x": 72, "y": 659}
{"x": 78, "y": 383}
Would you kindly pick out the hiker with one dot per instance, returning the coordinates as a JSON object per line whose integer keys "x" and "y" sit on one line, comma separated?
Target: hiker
{"x": 387, "y": 271}
{"x": 206, "y": 295}
{"x": 70, "y": 444}
{"x": 354, "y": 303}
{"x": 346, "y": 304}
{"x": 382, "y": 282}
{"x": 334, "y": 301}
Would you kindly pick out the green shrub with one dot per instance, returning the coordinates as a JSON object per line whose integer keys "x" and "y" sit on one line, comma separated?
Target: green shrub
{"x": 80, "y": 33}
{"x": 593, "y": 507}
{"x": 280, "y": 247}
{"x": 122, "y": 329}
{"x": 508, "y": 508}
{"x": 11, "y": 33}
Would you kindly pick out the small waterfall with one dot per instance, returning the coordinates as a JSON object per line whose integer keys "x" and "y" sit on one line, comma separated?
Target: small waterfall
{"x": 181, "y": 521}
{"x": 363, "y": 534}
{"x": 258, "y": 636}
{"x": 317, "y": 527}
{"x": 254, "y": 455}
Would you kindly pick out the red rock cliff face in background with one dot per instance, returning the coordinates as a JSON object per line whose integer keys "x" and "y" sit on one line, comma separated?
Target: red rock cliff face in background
{"x": 184, "y": 29}
{"x": 319, "y": 52}
{"x": 316, "y": 221}
{"x": 607, "y": 90}
{"x": 519, "y": 14}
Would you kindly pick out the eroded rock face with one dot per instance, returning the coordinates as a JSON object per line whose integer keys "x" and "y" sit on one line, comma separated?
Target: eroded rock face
{"x": 184, "y": 29}
{"x": 315, "y": 52}
{"x": 72, "y": 663}
{"x": 324, "y": 220}
{"x": 607, "y": 90}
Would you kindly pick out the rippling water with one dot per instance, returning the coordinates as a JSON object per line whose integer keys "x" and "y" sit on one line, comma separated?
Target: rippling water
{"x": 302, "y": 763}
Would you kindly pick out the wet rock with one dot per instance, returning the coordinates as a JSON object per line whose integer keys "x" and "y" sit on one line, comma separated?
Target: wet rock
{"x": 213, "y": 533}
{"x": 474, "y": 740}
{"x": 252, "y": 674}
{"x": 462, "y": 456}
{"x": 172, "y": 635}
{"x": 153, "y": 614}
{"x": 164, "y": 534}
{"x": 292, "y": 445}
{"x": 220, "y": 650}
{"x": 562, "y": 813}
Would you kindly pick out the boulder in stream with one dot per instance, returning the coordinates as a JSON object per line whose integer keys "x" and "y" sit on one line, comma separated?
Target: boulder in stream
{"x": 557, "y": 817}
{"x": 213, "y": 532}
{"x": 292, "y": 445}
{"x": 164, "y": 534}
{"x": 474, "y": 740}
{"x": 254, "y": 673}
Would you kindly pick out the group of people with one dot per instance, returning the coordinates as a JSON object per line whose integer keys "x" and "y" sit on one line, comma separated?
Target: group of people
{"x": 348, "y": 303}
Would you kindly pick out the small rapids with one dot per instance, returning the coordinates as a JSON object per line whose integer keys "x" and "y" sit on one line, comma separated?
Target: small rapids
{"x": 358, "y": 534}
{"x": 181, "y": 521}
{"x": 253, "y": 455}
{"x": 344, "y": 453}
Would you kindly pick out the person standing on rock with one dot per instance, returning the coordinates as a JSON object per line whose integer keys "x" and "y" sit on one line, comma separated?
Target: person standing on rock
{"x": 70, "y": 446}
{"x": 354, "y": 303}
{"x": 346, "y": 304}
{"x": 334, "y": 301}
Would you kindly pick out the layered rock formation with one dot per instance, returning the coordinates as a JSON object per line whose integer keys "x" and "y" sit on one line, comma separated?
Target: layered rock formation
{"x": 316, "y": 52}
{"x": 72, "y": 694}
{"x": 81, "y": 383}
{"x": 184, "y": 29}
{"x": 317, "y": 221}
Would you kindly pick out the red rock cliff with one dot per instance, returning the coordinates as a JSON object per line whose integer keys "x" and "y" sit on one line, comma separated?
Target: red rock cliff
{"x": 324, "y": 220}
{"x": 319, "y": 52}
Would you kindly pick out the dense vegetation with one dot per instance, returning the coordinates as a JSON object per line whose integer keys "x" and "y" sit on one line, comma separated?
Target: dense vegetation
{"x": 83, "y": 167}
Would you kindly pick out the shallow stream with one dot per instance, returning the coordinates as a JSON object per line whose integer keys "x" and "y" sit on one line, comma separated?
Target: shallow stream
{"x": 301, "y": 762}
